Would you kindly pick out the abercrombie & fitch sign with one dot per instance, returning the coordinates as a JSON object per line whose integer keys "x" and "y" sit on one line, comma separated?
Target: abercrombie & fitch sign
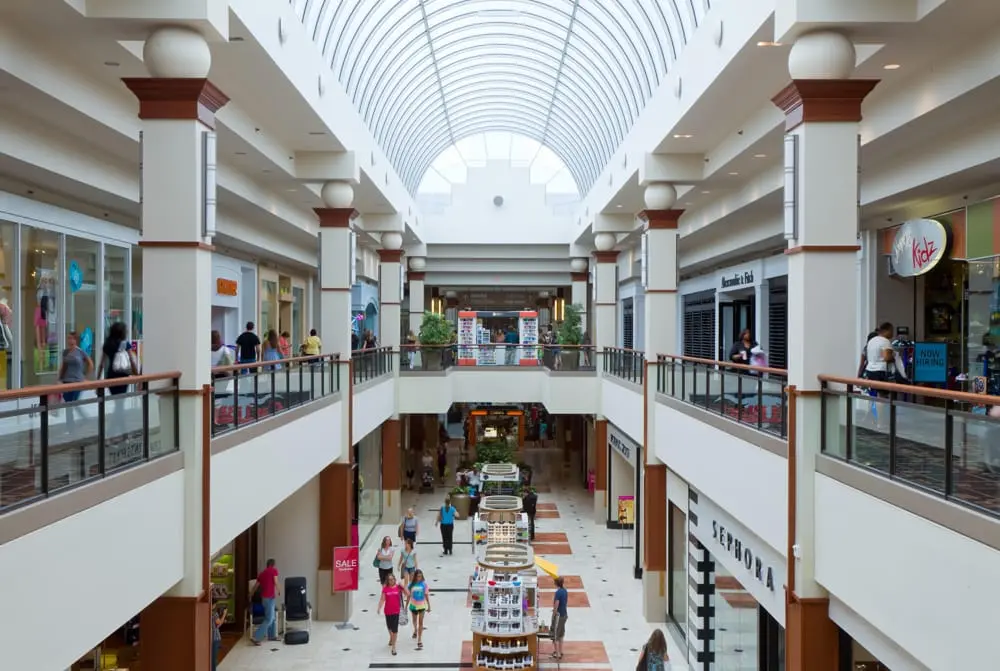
{"x": 738, "y": 280}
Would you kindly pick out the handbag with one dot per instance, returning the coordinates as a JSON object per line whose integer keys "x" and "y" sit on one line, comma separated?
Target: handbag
{"x": 121, "y": 364}
{"x": 376, "y": 563}
{"x": 404, "y": 614}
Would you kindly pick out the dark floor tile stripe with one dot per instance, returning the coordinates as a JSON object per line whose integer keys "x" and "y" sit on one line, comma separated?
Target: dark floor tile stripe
{"x": 420, "y": 665}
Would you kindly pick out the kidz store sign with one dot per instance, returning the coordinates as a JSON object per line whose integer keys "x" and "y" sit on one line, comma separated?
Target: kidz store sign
{"x": 919, "y": 245}
{"x": 623, "y": 445}
{"x": 758, "y": 567}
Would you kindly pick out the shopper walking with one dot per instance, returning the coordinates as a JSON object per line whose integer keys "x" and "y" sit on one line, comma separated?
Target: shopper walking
{"x": 446, "y": 518}
{"x": 285, "y": 345}
{"x": 559, "y": 618}
{"x": 272, "y": 349}
{"x": 383, "y": 557}
{"x": 409, "y": 526}
{"x": 654, "y": 655}
{"x": 218, "y": 619}
{"x": 76, "y": 366}
{"x": 117, "y": 361}
{"x": 530, "y": 503}
{"x": 407, "y": 561}
{"x": 267, "y": 583}
{"x": 313, "y": 345}
{"x": 419, "y": 604}
{"x": 392, "y": 601}
{"x": 248, "y": 346}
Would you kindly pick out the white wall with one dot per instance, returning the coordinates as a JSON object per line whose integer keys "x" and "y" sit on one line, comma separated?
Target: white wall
{"x": 622, "y": 404}
{"x": 524, "y": 217}
{"x": 917, "y": 582}
{"x": 125, "y": 552}
{"x": 748, "y": 482}
{"x": 372, "y": 406}
{"x": 252, "y": 478}
{"x": 291, "y": 536}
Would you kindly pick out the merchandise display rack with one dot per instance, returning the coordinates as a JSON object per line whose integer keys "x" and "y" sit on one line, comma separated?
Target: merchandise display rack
{"x": 499, "y": 520}
{"x": 224, "y": 585}
{"x": 499, "y": 479}
{"x": 504, "y": 589}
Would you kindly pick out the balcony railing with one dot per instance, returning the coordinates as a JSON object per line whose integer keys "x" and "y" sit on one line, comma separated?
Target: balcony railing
{"x": 625, "y": 364}
{"x": 48, "y": 445}
{"x": 369, "y": 364}
{"x": 250, "y": 392}
{"x": 749, "y": 395}
{"x": 942, "y": 442}
{"x": 556, "y": 358}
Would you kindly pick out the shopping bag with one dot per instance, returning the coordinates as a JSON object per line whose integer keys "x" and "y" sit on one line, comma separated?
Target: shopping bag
{"x": 404, "y": 615}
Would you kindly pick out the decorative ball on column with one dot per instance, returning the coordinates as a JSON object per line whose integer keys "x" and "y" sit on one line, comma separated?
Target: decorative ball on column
{"x": 177, "y": 52}
{"x": 604, "y": 242}
{"x": 660, "y": 196}
{"x": 578, "y": 265}
{"x": 337, "y": 195}
{"x": 392, "y": 240}
{"x": 418, "y": 263}
{"x": 822, "y": 55}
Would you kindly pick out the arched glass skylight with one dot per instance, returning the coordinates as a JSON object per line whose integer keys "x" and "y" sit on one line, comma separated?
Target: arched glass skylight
{"x": 451, "y": 166}
{"x": 573, "y": 75}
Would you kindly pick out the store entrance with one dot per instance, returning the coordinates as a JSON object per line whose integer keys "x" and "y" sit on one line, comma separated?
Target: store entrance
{"x": 735, "y": 315}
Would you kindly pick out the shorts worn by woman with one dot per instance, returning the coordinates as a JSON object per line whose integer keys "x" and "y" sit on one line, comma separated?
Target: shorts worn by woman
{"x": 418, "y": 597}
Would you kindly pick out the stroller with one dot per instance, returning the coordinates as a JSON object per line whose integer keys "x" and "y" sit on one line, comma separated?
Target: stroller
{"x": 427, "y": 479}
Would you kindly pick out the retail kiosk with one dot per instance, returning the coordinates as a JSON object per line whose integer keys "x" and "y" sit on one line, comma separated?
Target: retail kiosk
{"x": 499, "y": 520}
{"x": 476, "y": 345}
{"x": 504, "y": 589}
{"x": 499, "y": 479}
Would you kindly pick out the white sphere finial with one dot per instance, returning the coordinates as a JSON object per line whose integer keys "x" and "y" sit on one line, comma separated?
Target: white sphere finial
{"x": 177, "y": 52}
{"x": 337, "y": 195}
{"x": 604, "y": 242}
{"x": 418, "y": 263}
{"x": 392, "y": 240}
{"x": 822, "y": 55}
{"x": 578, "y": 265}
{"x": 660, "y": 196}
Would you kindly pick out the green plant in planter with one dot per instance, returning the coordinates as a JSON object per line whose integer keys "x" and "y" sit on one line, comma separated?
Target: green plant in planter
{"x": 435, "y": 330}
{"x": 570, "y": 331}
{"x": 494, "y": 452}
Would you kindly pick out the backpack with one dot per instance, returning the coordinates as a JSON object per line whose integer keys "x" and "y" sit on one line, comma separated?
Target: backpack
{"x": 121, "y": 363}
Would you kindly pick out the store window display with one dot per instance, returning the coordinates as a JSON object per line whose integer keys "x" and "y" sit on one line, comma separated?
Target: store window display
{"x": 136, "y": 290}
{"x": 82, "y": 287}
{"x": 40, "y": 283}
{"x": 268, "y": 306}
{"x": 8, "y": 233}
{"x": 368, "y": 484}
{"x": 116, "y": 274}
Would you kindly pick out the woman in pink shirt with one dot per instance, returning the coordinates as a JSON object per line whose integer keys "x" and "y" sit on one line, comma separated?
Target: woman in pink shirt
{"x": 392, "y": 599}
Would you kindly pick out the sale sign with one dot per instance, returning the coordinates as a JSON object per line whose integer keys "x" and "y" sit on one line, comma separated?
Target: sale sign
{"x": 345, "y": 569}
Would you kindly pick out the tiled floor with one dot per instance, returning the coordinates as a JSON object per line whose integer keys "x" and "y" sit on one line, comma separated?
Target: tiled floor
{"x": 598, "y": 577}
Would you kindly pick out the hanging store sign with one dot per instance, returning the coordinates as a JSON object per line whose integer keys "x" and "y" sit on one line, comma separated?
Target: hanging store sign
{"x": 224, "y": 287}
{"x": 919, "y": 245}
{"x": 741, "y": 279}
{"x": 623, "y": 445}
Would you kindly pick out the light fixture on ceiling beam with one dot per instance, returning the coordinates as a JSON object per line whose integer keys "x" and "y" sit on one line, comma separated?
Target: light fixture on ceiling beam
{"x": 760, "y": 155}
{"x": 682, "y": 136}
{"x": 768, "y": 44}
{"x": 558, "y": 309}
{"x": 618, "y": 206}
{"x": 112, "y": 64}
{"x": 891, "y": 66}
{"x": 733, "y": 174}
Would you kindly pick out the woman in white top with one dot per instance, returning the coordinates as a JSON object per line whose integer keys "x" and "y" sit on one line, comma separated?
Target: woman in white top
{"x": 882, "y": 362}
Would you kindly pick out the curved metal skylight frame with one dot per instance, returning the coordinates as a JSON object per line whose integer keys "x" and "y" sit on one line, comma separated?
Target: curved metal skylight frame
{"x": 573, "y": 75}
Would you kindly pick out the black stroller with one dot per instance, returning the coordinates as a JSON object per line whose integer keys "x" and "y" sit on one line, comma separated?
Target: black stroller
{"x": 427, "y": 479}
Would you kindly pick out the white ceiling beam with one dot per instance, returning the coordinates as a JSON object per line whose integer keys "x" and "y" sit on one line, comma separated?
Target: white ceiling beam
{"x": 209, "y": 17}
{"x": 326, "y": 166}
{"x": 794, "y": 17}
{"x": 614, "y": 223}
{"x": 675, "y": 168}
{"x": 380, "y": 223}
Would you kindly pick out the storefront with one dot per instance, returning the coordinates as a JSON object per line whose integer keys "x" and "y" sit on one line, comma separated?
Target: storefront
{"x": 283, "y": 305}
{"x": 367, "y": 465}
{"x": 364, "y": 307}
{"x": 624, "y": 489}
{"x": 726, "y": 595}
{"x": 234, "y": 297}
{"x": 716, "y": 308}
{"x": 60, "y": 272}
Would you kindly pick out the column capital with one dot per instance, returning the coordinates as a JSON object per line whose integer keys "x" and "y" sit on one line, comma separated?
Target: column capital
{"x": 607, "y": 257}
{"x": 823, "y": 100}
{"x": 661, "y": 219}
{"x": 580, "y": 277}
{"x": 196, "y": 99}
{"x": 416, "y": 276}
{"x": 335, "y": 217}
{"x": 390, "y": 255}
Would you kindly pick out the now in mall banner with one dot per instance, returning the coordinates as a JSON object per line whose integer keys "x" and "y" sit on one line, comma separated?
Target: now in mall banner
{"x": 345, "y": 569}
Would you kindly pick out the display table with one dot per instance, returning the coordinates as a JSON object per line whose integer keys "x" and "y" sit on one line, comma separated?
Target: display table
{"x": 499, "y": 520}
{"x": 504, "y": 592}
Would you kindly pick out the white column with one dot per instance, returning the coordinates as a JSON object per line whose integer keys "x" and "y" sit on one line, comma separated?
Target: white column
{"x": 416, "y": 279}
{"x": 605, "y": 305}
{"x": 580, "y": 291}
{"x": 762, "y": 301}
{"x": 177, "y": 252}
{"x": 390, "y": 288}
{"x": 823, "y": 110}
{"x": 335, "y": 268}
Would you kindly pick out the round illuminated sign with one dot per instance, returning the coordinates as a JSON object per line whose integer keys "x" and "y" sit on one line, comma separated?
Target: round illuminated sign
{"x": 919, "y": 245}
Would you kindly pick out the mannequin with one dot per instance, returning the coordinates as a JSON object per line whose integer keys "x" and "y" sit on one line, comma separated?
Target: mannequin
{"x": 6, "y": 342}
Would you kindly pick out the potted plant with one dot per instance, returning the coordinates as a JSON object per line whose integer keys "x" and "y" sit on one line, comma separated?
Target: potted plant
{"x": 494, "y": 452}
{"x": 435, "y": 334}
{"x": 570, "y": 332}
{"x": 460, "y": 499}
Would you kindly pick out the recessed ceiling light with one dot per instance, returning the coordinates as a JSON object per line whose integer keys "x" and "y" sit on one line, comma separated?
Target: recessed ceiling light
{"x": 891, "y": 66}
{"x": 241, "y": 153}
{"x": 235, "y": 38}
{"x": 769, "y": 44}
{"x": 706, "y": 192}
{"x": 680, "y": 136}
{"x": 733, "y": 174}
{"x": 760, "y": 155}
{"x": 317, "y": 132}
{"x": 292, "y": 190}
{"x": 112, "y": 64}
{"x": 618, "y": 206}
{"x": 265, "y": 171}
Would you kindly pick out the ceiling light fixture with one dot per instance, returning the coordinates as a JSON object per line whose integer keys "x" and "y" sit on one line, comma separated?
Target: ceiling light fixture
{"x": 891, "y": 66}
{"x": 706, "y": 192}
{"x": 618, "y": 206}
{"x": 241, "y": 153}
{"x": 112, "y": 64}
{"x": 680, "y": 136}
{"x": 733, "y": 174}
{"x": 317, "y": 132}
{"x": 769, "y": 44}
{"x": 760, "y": 155}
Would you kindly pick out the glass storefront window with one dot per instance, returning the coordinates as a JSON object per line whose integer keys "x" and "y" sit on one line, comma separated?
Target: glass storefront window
{"x": 298, "y": 305}
{"x": 984, "y": 323}
{"x": 137, "y": 293}
{"x": 8, "y": 235}
{"x": 268, "y": 306}
{"x": 678, "y": 605}
{"x": 82, "y": 287}
{"x": 40, "y": 295}
{"x": 115, "y": 286}
{"x": 368, "y": 457}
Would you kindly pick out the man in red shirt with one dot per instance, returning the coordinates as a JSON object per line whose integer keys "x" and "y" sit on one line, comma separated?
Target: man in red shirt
{"x": 267, "y": 583}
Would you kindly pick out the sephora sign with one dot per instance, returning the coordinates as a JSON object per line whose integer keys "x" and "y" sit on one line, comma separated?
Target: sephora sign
{"x": 919, "y": 245}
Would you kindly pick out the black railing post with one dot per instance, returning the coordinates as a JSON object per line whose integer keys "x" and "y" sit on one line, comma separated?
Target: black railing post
{"x": 739, "y": 399}
{"x": 673, "y": 376}
{"x": 760, "y": 401}
{"x": 849, "y": 424}
{"x": 312, "y": 382}
{"x": 236, "y": 399}
{"x": 784, "y": 408}
{"x": 102, "y": 428}
{"x": 892, "y": 434}
{"x": 256, "y": 392}
{"x": 722, "y": 390}
{"x": 145, "y": 420}
{"x": 43, "y": 436}
{"x": 177, "y": 413}
{"x": 949, "y": 449}
{"x": 708, "y": 386}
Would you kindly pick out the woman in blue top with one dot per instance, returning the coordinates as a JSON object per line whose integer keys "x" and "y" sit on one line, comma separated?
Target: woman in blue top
{"x": 407, "y": 562}
{"x": 446, "y": 518}
{"x": 419, "y": 603}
